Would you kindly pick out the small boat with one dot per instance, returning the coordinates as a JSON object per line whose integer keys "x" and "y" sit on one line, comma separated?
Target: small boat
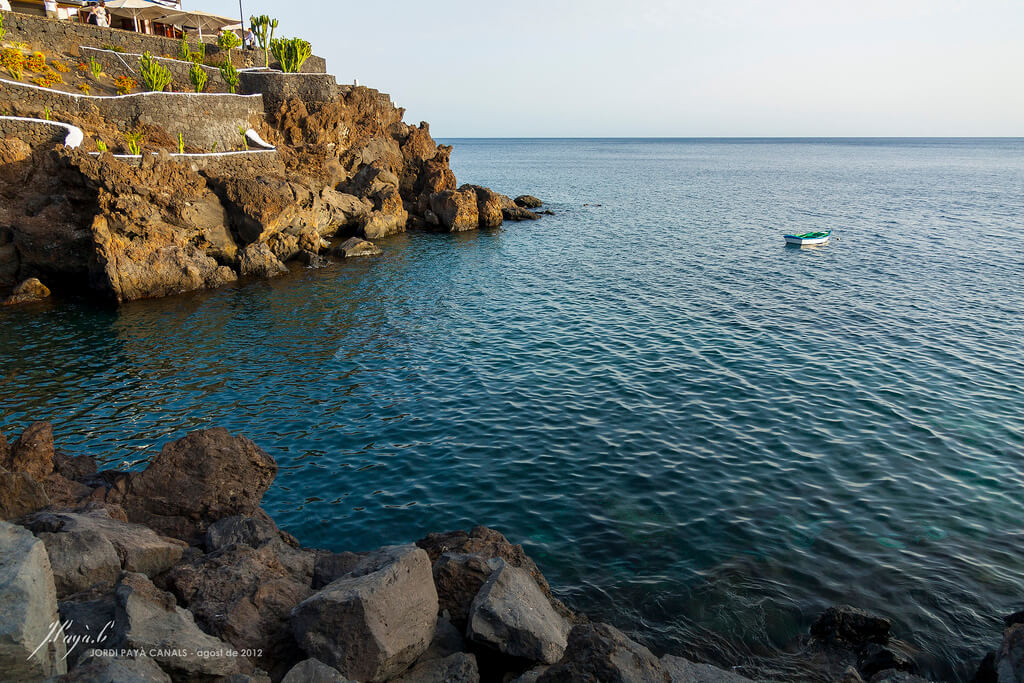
{"x": 805, "y": 239}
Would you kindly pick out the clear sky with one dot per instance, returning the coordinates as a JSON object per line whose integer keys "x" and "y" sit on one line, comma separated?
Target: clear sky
{"x": 685, "y": 68}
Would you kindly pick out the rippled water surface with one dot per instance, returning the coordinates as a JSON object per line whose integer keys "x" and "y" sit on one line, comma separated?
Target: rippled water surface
{"x": 700, "y": 435}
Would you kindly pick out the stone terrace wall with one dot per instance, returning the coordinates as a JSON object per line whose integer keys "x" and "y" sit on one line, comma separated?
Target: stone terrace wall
{"x": 278, "y": 87}
{"x": 204, "y": 119}
{"x": 52, "y": 36}
{"x": 234, "y": 164}
{"x": 36, "y": 134}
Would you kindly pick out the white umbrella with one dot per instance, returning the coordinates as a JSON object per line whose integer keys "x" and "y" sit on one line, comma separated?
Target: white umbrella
{"x": 137, "y": 9}
{"x": 211, "y": 23}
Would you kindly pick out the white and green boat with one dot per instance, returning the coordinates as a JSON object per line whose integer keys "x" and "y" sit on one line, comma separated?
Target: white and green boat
{"x": 809, "y": 238}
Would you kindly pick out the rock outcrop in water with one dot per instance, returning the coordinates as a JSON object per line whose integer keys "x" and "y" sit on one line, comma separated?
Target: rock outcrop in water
{"x": 174, "y": 573}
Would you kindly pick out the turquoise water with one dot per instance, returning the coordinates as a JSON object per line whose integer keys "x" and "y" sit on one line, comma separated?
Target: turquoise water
{"x": 702, "y": 436}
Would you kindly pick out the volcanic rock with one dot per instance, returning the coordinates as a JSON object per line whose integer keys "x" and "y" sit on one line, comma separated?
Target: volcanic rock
{"x": 457, "y": 668}
{"x": 528, "y": 202}
{"x": 1009, "y": 662}
{"x": 313, "y": 671}
{"x": 259, "y": 261}
{"x": 457, "y": 210}
{"x": 684, "y": 671}
{"x": 32, "y": 453}
{"x": 20, "y": 494}
{"x": 374, "y": 622}
{"x": 197, "y": 480}
{"x": 354, "y": 246}
{"x": 31, "y": 640}
{"x": 600, "y": 653}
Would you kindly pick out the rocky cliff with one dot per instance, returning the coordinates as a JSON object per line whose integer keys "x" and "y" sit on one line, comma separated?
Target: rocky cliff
{"x": 131, "y": 228}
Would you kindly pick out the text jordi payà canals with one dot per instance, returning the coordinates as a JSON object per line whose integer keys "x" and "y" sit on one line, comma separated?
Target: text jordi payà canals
{"x": 93, "y": 643}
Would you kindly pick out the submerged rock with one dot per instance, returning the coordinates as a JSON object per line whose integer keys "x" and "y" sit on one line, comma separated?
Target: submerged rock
{"x": 682, "y": 670}
{"x": 28, "y": 291}
{"x": 354, "y": 246}
{"x": 374, "y": 622}
{"x": 31, "y": 640}
{"x": 1009, "y": 661}
{"x": 852, "y": 626}
{"x": 512, "y": 615}
{"x": 528, "y": 202}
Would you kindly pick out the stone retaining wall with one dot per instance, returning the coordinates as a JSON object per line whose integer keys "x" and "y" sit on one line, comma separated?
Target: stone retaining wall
{"x": 127, "y": 64}
{"x": 231, "y": 164}
{"x": 278, "y": 87}
{"x": 204, "y": 119}
{"x": 35, "y": 133}
{"x": 52, "y": 36}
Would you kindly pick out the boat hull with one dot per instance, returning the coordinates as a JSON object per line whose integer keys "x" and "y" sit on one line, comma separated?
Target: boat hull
{"x": 799, "y": 241}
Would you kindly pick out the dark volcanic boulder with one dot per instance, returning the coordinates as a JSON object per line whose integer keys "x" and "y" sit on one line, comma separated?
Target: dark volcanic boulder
{"x": 244, "y": 595}
{"x": 195, "y": 481}
{"x": 313, "y": 671}
{"x": 28, "y": 291}
{"x": 374, "y": 622}
{"x": 74, "y": 468}
{"x": 528, "y": 202}
{"x": 512, "y": 615}
{"x": 458, "y": 579}
{"x": 94, "y": 669}
{"x": 487, "y": 543}
{"x": 32, "y": 453}
{"x": 599, "y": 653}
{"x": 148, "y": 619}
{"x": 1009, "y": 660}
{"x": 852, "y": 626}
{"x": 457, "y": 668}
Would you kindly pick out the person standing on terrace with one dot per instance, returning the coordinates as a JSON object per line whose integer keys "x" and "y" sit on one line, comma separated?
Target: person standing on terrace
{"x": 50, "y": 6}
{"x": 99, "y": 15}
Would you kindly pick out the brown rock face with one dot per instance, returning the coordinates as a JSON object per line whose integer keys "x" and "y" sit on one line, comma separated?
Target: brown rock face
{"x": 32, "y": 453}
{"x": 489, "y": 205}
{"x": 456, "y": 209}
{"x": 599, "y": 652}
{"x": 244, "y": 595}
{"x": 20, "y": 494}
{"x": 197, "y": 480}
{"x": 28, "y": 291}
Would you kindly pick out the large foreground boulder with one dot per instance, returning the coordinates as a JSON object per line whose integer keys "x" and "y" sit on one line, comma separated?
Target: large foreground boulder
{"x": 457, "y": 210}
{"x": 460, "y": 667}
{"x": 151, "y": 621}
{"x": 512, "y": 615}
{"x": 313, "y": 671}
{"x": 374, "y": 622}
{"x": 105, "y": 669}
{"x": 599, "y": 653}
{"x": 197, "y": 480}
{"x": 31, "y": 640}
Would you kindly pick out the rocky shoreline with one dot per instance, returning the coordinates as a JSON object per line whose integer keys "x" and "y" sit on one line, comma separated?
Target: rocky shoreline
{"x": 174, "y": 573}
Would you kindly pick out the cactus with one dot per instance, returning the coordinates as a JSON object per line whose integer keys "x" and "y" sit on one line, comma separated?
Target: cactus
{"x": 245, "y": 140}
{"x": 230, "y": 75}
{"x": 95, "y": 68}
{"x": 134, "y": 140}
{"x": 263, "y": 27}
{"x": 101, "y": 146}
{"x": 292, "y": 53}
{"x": 3, "y": 31}
{"x": 198, "y": 77}
{"x": 155, "y": 76}
{"x": 181, "y": 143}
{"x": 47, "y": 113}
{"x": 184, "y": 51}
{"x": 228, "y": 41}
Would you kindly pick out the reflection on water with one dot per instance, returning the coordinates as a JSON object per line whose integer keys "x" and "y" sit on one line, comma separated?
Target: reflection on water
{"x": 705, "y": 442}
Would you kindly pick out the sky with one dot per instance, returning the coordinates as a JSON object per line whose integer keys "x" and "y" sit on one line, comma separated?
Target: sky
{"x": 686, "y": 68}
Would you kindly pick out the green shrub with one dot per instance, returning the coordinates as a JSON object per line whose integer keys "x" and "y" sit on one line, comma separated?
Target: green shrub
{"x": 292, "y": 53}
{"x": 154, "y": 75}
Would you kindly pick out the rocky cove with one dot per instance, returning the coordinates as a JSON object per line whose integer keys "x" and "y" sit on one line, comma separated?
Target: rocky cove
{"x": 174, "y": 572}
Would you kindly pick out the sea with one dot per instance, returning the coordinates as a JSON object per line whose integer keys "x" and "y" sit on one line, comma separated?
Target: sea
{"x": 702, "y": 436}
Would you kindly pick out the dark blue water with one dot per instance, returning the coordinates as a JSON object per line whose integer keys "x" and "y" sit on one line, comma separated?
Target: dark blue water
{"x": 700, "y": 435}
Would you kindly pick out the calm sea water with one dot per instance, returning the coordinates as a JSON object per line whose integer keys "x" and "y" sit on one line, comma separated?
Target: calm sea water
{"x": 701, "y": 436}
